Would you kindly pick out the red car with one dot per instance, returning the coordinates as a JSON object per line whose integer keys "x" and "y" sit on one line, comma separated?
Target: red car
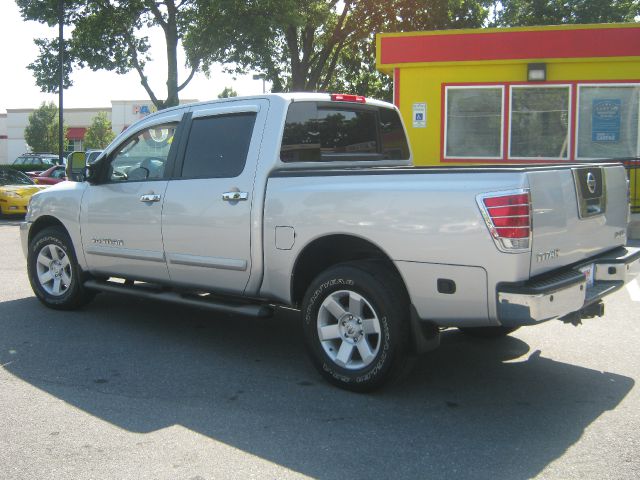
{"x": 53, "y": 175}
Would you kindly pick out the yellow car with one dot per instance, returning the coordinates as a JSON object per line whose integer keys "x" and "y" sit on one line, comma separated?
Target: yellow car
{"x": 15, "y": 191}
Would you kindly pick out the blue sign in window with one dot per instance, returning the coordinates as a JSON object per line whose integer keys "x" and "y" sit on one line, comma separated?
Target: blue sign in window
{"x": 605, "y": 120}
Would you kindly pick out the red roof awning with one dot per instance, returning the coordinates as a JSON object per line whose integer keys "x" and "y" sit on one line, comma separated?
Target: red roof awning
{"x": 511, "y": 44}
{"x": 76, "y": 133}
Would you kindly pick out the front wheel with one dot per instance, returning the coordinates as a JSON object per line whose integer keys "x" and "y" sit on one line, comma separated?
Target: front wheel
{"x": 355, "y": 321}
{"x": 54, "y": 273}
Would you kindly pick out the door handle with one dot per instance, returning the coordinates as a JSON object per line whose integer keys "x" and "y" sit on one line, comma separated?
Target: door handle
{"x": 234, "y": 196}
{"x": 150, "y": 197}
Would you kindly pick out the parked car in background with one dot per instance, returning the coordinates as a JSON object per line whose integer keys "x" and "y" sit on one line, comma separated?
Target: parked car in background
{"x": 51, "y": 176}
{"x": 15, "y": 191}
{"x": 40, "y": 161}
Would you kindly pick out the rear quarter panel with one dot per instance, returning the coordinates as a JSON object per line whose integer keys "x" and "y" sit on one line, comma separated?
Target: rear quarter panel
{"x": 416, "y": 217}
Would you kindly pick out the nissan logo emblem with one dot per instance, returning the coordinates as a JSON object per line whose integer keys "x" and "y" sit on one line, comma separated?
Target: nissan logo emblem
{"x": 591, "y": 183}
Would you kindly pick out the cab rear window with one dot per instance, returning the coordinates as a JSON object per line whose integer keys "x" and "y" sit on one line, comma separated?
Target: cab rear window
{"x": 329, "y": 132}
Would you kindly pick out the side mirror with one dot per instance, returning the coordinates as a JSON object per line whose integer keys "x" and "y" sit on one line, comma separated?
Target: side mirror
{"x": 90, "y": 172}
{"x": 76, "y": 166}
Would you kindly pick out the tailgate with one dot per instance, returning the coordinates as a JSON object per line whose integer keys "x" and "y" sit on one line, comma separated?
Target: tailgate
{"x": 578, "y": 212}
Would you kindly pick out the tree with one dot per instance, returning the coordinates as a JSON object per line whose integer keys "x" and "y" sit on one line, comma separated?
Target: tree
{"x": 41, "y": 133}
{"x": 227, "y": 93}
{"x": 296, "y": 43}
{"x": 553, "y": 12}
{"x": 54, "y": 136}
{"x": 107, "y": 35}
{"x": 317, "y": 45}
{"x": 357, "y": 72}
{"x": 100, "y": 133}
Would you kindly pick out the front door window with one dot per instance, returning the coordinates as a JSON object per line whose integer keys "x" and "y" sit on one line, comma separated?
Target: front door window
{"x": 144, "y": 155}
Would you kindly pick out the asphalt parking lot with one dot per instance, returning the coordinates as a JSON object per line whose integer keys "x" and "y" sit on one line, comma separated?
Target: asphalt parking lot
{"x": 129, "y": 389}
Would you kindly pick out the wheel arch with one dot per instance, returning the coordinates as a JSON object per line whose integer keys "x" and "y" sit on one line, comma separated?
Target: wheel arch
{"x": 327, "y": 251}
{"x": 46, "y": 221}
{"x": 74, "y": 294}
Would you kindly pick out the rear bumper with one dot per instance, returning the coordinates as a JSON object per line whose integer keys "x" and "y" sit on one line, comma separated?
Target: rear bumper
{"x": 561, "y": 293}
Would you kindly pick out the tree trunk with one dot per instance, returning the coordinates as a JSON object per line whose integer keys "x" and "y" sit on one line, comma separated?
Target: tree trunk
{"x": 171, "y": 36}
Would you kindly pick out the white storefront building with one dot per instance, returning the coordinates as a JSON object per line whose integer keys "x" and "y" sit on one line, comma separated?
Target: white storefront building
{"x": 122, "y": 114}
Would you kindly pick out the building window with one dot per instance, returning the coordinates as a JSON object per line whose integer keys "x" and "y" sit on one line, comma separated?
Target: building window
{"x": 74, "y": 145}
{"x": 539, "y": 122}
{"x": 608, "y": 121}
{"x": 474, "y": 123}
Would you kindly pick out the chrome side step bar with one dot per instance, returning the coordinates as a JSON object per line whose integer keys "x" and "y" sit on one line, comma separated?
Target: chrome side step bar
{"x": 192, "y": 300}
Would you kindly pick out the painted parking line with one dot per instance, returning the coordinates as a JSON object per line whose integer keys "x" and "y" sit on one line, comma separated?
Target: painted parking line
{"x": 634, "y": 290}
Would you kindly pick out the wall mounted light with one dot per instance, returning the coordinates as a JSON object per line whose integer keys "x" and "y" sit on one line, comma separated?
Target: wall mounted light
{"x": 536, "y": 72}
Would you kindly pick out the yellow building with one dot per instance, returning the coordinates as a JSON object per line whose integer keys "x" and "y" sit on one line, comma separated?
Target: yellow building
{"x": 517, "y": 95}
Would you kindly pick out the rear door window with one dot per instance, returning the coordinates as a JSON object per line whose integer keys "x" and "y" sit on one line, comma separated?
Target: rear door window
{"x": 327, "y": 132}
{"x": 218, "y": 145}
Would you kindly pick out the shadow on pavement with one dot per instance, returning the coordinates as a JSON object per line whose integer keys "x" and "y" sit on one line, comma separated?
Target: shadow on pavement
{"x": 466, "y": 410}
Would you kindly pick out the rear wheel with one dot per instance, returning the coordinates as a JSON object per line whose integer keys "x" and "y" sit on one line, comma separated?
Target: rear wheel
{"x": 54, "y": 273}
{"x": 355, "y": 320}
{"x": 488, "y": 332}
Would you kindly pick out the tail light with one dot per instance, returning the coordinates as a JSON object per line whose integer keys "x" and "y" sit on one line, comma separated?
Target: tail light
{"x": 508, "y": 217}
{"x": 629, "y": 197}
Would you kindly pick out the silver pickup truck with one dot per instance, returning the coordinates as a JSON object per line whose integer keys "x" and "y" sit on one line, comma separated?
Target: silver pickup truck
{"x": 310, "y": 201}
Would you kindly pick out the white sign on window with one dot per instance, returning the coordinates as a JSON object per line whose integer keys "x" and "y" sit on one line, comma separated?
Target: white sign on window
{"x": 419, "y": 115}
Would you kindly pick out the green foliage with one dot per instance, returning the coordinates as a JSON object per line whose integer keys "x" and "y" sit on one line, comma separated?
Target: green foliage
{"x": 555, "y": 12}
{"x": 424, "y": 15}
{"x": 296, "y": 43}
{"x": 300, "y": 45}
{"x": 227, "y": 93}
{"x": 356, "y": 70}
{"x": 100, "y": 132}
{"x": 317, "y": 45}
{"x": 54, "y": 135}
{"x": 41, "y": 134}
{"x": 37, "y": 132}
{"x": 20, "y": 168}
{"x": 356, "y": 73}
{"x": 46, "y": 68}
{"x": 106, "y": 35}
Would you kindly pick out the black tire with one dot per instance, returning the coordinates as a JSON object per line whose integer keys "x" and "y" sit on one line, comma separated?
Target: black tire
{"x": 488, "y": 332}
{"x": 66, "y": 296}
{"x": 375, "y": 358}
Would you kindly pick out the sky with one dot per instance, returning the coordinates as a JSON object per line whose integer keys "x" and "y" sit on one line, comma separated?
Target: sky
{"x": 94, "y": 89}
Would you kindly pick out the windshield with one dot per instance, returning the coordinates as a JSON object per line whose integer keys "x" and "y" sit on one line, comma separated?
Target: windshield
{"x": 13, "y": 177}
